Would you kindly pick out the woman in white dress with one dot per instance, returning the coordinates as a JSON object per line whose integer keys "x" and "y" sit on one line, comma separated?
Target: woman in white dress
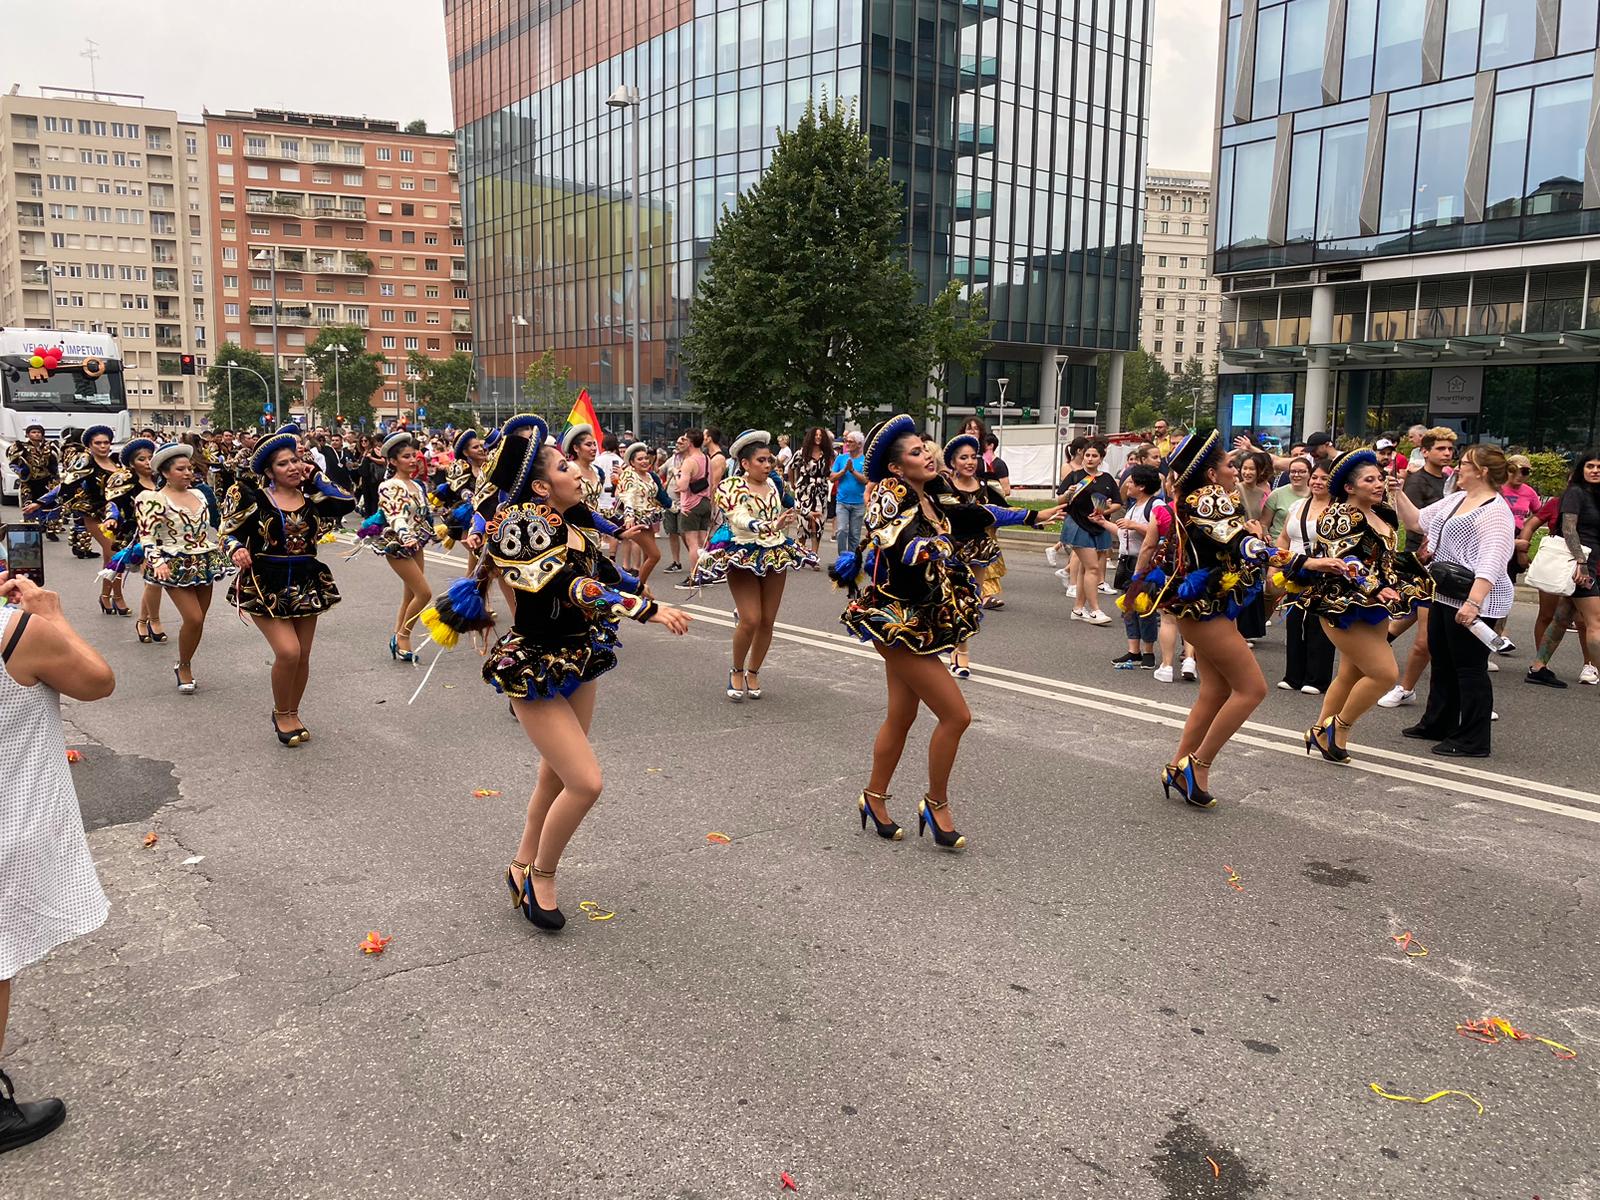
{"x": 49, "y": 892}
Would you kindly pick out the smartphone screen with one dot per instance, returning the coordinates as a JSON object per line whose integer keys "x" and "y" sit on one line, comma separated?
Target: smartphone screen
{"x": 25, "y": 551}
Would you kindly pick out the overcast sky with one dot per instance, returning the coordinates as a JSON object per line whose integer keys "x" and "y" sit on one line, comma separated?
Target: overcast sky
{"x": 385, "y": 58}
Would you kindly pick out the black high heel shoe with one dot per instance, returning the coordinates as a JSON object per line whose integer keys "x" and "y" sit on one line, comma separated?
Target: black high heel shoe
{"x": 945, "y": 841}
{"x": 1181, "y": 775}
{"x": 887, "y": 830}
{"x": 107, "y": 609}
{"x": 1321, "y": 738}
{"x": 292, "y": 738}
{"x": 141, "y": 628}
{"x": 154, "y": 636}
{"x": 548, "y": 919}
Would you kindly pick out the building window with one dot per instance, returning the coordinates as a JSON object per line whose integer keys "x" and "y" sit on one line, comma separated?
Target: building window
{"x": 388, "y": 341}
{"x": 407, "y": 156}
{"x": 383, "y": 154}
{"x": 407, "y": 184}
{"x": 411, "y": 343}
{"x": 1160, "y": 325}
{"x": 1158, "y": 346}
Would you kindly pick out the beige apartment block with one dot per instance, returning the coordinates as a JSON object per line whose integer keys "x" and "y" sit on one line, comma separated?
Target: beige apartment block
{"x": 1181, "y": 306}
{"x": 324, "y": 220}
{"x": 104, "y": 227}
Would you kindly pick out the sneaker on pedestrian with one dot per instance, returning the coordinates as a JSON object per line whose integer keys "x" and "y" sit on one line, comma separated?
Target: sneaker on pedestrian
{"x": 1590, "y": 674}
{"x": 1162, "y": 674}
{"x": 1503, "y": 645}
{"x": 1072, "y": 592}
{"x": 1061, "y": 574}
{"x": 1106, "y": 589}
{"x": 1494, "y": 716}
{"x": 1077, "y": 614}
{"x": 1147, "y": 662}
{"x": 1285, "y": 686}
{"x": 24, "y": 1122}
{"x": 1397, "y": 696}
{"x": 1189, "y": 670}
{"x": 1097, "y": 617}
{"x": 1050, "y": 555}
{"x": 1311, "y": 691}
{"x": 1493, "y": 666}
{"x": 1545, "y": 677}
{"x": 1130, "y": 659}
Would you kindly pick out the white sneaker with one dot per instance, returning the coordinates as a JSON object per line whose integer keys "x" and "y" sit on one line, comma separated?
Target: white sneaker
{"x": 1397, "y": 696}
{"x": 1097, "y": 617}
{"x": 1162, "y": 674}
{"x": 1503, "y": 645}
{"x": 1189, "y": 671}
{"x": 1494, "y": 716}
{"x": 1285, "y": 685}
{"x": 1493, "y": 666}
{"x": 1311, "y": 691}
{"x": 1061, "y": 574}
{"x": 1050, "y": 556}
{"x": 1077, "y": 614}
{"x": 1106, "y": 589}
{"x": 1072, "y": 592}
{"x": 1590, "y": 674}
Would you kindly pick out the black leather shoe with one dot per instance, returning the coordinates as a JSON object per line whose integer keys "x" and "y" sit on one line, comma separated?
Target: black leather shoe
{"x": 21, "y": 1124}
{"x": 1451, "y": 750}
{"x": 1419, "y": 733}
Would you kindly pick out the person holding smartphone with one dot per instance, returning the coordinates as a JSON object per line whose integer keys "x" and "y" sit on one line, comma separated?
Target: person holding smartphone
{"x": 49, "y": 892}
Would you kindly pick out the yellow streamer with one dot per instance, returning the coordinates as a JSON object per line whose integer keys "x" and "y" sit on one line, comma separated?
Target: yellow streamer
{"x": 596, "y": 913}
{"x": 1426, "y": 1099}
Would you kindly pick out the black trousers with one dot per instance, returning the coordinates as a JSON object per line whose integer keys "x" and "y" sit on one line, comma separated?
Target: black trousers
{"x": 1309, "y": 653}
{"x": 1460, "y": 694}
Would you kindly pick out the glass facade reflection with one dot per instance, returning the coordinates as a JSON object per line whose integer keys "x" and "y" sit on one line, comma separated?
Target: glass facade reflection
{"x": 1382, "y": 167}
{"x": 1015, "y": 128}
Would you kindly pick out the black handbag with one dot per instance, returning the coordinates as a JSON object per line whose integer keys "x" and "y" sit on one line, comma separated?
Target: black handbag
{"x": 1451, "y": 580}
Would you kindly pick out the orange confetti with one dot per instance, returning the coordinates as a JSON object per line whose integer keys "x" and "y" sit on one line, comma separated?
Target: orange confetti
{"x": 1490, "y": 1030}
{"x": 721, "y": 839}
{"x": 1233, "y": 878}
{"x": 1404, "y": 941}
{"x": 74, "y": 756}
{"x": 483, "y": 793}
{"x": 376, "y": 943}
{"x": 150, "y": 839}
{"x": 1216, "y": 1171}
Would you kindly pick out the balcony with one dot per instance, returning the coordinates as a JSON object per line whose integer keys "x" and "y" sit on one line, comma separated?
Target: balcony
{"x": 169, "y": 343}
{"x": 976, "y": 139}
{"x": 161, "y": 200}
{"x": 977, "y": 72}
{"x": 286, "y": 316}
{"x": 165, "y": 285}
{"x": 460, "y": 324}
{"x": 28, "y": 222}
{"x": 163, "y": 175}
{"x": 168, "y": 366}
{"x": 160, "y": 145}
{"x": 276, "y": 153}
{"x": 33, "y": 161}
{"x": 459, "y": 274}
{"x": 282, "y": 206}
{"x": 455, "y": 220}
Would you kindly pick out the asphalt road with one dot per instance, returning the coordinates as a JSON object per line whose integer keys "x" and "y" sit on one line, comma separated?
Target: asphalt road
{"x": 1080, "y": 1005}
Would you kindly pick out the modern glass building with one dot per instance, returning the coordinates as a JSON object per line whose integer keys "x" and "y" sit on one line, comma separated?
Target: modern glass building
{"x": 1015, "y": 126}
{"x": 1408, "y": 197}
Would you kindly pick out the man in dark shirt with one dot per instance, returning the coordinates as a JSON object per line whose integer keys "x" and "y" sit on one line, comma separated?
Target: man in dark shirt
{"x": 1428, "y": 479}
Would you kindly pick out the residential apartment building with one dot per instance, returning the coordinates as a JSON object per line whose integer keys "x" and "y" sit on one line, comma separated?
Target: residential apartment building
{"x": 104, "y": 227}
{"x": 353, "y": 221}
{"x": 1180, "y": 305}
{"x": 1016, "y": 132}
{"x": 1407, "y": 211}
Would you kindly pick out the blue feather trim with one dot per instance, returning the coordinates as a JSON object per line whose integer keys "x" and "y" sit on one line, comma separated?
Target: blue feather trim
{"x": 128, "y": 558}
{"x": 1193, "y": 585}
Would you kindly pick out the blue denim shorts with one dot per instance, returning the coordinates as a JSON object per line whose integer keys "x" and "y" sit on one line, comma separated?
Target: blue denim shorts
{"x": 1074, "y": 535}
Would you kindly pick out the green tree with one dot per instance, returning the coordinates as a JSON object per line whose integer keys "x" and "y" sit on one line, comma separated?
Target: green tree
{"x": 1193, "y": 391}
{"x": 547, "y": 390}
{"x": 239, "y": 385}
{"x": 348, "y": 389}
{"x": 417, "y": 126}
{"x": 956, "y": 330}
{"x": 808, "y": 309}
{"x": 1142, "y": 416}
{"x": 444, "y": 388}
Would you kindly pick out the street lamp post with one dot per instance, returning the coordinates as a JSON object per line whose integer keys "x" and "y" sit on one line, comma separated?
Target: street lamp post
{"x": 49, "y": 281}
{"x": 517, "y": 322}
{"x": 1002, "y": 382}
{"x": 271, "y": 260}
{"x": 230, "y": 368}
{"x": 339, "y": 351}
{"x": 628, "y": 97}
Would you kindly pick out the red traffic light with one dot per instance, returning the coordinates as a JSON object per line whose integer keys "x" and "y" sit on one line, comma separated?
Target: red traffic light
{"x": 186, "y": 364}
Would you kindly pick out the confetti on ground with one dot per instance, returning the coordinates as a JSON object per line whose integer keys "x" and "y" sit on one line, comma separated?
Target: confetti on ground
{"x": 1233, "y": 878}
{"x": 1404, "y": 941}
{"x": 328, "y": 539}
{"x": 788, "y": 1181}
{"x": 74, "y": 756}
{"x": 484, "y": 793}
{"x": 193, "y": 859}
{"x": 1490, "y": 1030}
{"x": 596, "y": 913}
{"x": 376, "y": 943}
{"x": 1426, "y": 1099}
{"x": 150, "y": 839}
{"x": 721, "y": 839}
{"x": 652, "y": 770}
{"x": 449, "y": 686}
{"x": 1216, "y": 1171}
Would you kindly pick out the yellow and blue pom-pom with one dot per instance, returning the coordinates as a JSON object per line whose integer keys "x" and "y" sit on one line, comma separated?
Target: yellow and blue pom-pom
{"x": 1230, "y": 580}
{"x": 1142, "y": 603}
{"x": 440, "y": 632}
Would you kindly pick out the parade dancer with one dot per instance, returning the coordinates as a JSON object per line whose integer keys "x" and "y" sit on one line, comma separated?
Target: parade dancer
{"x": 581, "y": 447}
{"x": 36, "y": 462}
{"x": 272, "y": 521}
{"x": 752, "y": 550}
{"x": 975, "y": 508}
{"x": 81, "y": 497}
{"x": 542, "y": 540}
{"x": 914, "y": 599}
{"x": 1380, "y": 583}
{"x": 182, "y": 550}
{"x": 1204, "y": 572}
{"x": 461, "y": 482}
{"x": 643, "y": 500}
{"x": 127, "y": 552}
{"x": 399, "y": 531}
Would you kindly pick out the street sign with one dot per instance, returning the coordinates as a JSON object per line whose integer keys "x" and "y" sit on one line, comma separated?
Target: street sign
{"x": 422, "y": 414}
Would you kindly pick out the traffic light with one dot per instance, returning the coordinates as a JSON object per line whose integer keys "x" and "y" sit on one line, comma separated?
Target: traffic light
{"x": 186, "y": 364}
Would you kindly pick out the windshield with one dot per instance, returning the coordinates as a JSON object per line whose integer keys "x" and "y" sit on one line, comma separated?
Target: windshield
{"x": 66, "y": 390}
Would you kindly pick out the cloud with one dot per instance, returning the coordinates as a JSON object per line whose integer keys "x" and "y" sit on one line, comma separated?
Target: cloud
{"x": 1183, "y": 89}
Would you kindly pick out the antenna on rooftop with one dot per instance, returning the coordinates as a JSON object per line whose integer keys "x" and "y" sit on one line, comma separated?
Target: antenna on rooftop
{"x": 93, "y": 55}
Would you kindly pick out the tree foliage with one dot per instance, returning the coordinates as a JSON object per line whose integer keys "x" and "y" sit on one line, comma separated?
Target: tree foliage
{"x": 444, "y": 387}
{"x": 956, "y": 330}
{"x": 417, "y": 126}
{"x": 251, "y": 388}
{"x": 809, "y": 310}
{"x": 359, "y": 375}
{"x": 547, "y": 390}
{"x": 1193, "y": 390}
